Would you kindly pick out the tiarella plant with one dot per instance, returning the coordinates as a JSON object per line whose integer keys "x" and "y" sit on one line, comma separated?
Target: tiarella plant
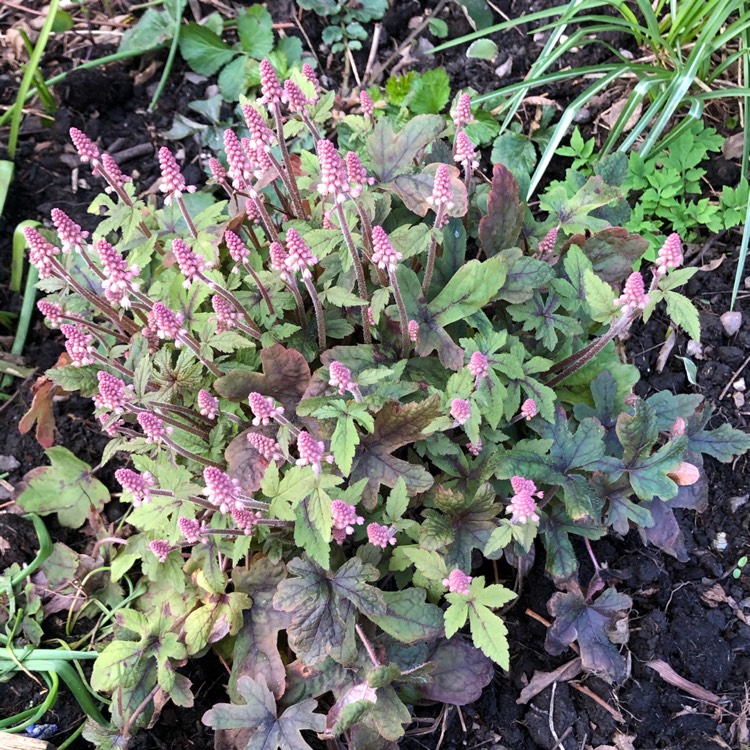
{"x": 345, "y": 385}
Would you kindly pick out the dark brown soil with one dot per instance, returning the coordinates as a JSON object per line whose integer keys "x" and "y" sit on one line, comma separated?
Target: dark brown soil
{"x": 701, "y": 636}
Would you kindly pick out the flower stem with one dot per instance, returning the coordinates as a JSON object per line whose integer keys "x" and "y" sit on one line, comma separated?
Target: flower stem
{"x": 290, "y": 182}
{"x": 361, "y": 281}
{"x": 403, "y": 322}
{"x": 261, "y": 287}
{"x": 432, "y": 252}
{"x": 319, "y": 319}
{"x": 186, "y": 215}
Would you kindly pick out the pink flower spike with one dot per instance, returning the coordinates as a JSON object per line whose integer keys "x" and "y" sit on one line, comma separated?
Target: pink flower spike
{"x": 191, "y": 264}
{"x": 295, "y": 97}
{"x": 191, "y": 530}
{"x": 522, "y": 506}
{"x": 72, "y": 237}
{"x": 153, "y": 427}
{"x": 114, "y": 394}
{"x": 165, "y": 323}
{"x": 221, "y": 490}
{"x": 266, "y": 446}
{"x": 264, "y": 409}
{"x": 41, "y": 252}
{"x": 300, "y": 257}
{"x": 310, "y": 452}
{"x": 237, "y": 248}
{"x": 384, "y": 255}
{"x": 367, "y": 104}
{"x": 442, "y": 192}
{"x": 78, "y": 344}
{"x": 161, "y": 548}
{"x": 172, "y": 181}
{"x": 475, "y": 448}
{"x": 465, "y": 154}
{"x": 87, "y": 150}
{"x": 341, "y": 377}
{"x": 333, "y": 176}
{"x": 110, "y": 426}
{"x": 240, "y": 168}
{"x": 119, "y": 281}
{"x": 457, "y": 582}
{"x": 208, "y": 405}
{"x": 356, "y": 175}
{"x": 479, "y": 366}
{"x": 413, "y": 330}
{"x": 261, "y": 136}
{"x": 51, "y": 311}
{"x": 137, "y": 485}
{"x": 218, "y": 173}
{"x": 528, "y": 409}
{"x": 670, "y": 254}
{"x": 246, "y": 519}
{"x": 270, "y": 88}
{"x": 227, "y": 315}
{"x": 547, "y": 243}
{"x": 310, "y": 75}
{"x": 278, "y": 257}
{"x": 112, "y": 170}
{"x": 462, "y": 114}
{"x": 344, "y": 516}
{"x": 381, "y": 536}
{"x": 460, "y": 410}
{"x": 633, "y": 295}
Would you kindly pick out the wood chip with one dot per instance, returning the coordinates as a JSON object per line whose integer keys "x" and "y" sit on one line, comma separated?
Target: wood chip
{"x": 669, "y": 675}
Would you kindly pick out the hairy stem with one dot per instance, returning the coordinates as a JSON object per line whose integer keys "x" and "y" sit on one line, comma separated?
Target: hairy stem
{"x": 261, "y": 287}
{"x": 319, "y": 319}
{"x": 361, "y": 281}
{"x": 186, "y": 215}
{"x": 432, "y": 252}
{"x": 403, "y": 321}
{"x": 291, "y": 183}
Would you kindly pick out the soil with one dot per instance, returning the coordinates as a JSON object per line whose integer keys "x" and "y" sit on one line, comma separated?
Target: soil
{"x": 689, "y": 614}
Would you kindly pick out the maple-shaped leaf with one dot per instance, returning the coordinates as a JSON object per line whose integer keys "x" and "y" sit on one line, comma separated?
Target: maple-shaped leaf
{"x": 524, "y": 275}
{"x": 608, "y": 406}
{"x": 256, "y": 651}
{"x": 395, "y": 427}
{"x": 612, "y": 252}
{"x": 415, "y": 190}
{"x": 220, "y": 615}
{"x": 258, "y": 713}
{"x": 323, "y": 607}
{"x": 575, "y": 214}
{"x": 285, "y": 377}
{"x": 408, "y": 617}
{"x": 540, "y": 315}
{"x": 500, "y": 228}
{"x": 591, "y": 624}
{"x": 245, "y": 463}
{"x": 724, "y": 443}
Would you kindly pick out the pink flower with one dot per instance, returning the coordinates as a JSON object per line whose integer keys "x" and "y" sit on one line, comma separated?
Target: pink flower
{"x": 333, "y": 177}
{"x": 240, "y": 168}
{"x": 310, "y": 452}
{"x": 341, "y": 377}
{"x": 110, "y": 426}
{"x": 217, "y": 170}
{"x": 51, "y": 311}
{"x": 548, "y": 242}
{"x": 191, "y": 264}
{"x": 166, "y": 323}
{"x": 192, "y": 530}
{"x": 460, "y": 410}
{"x": 266, "y": 446}
{"x": 344, "y": 516}
{"x": 381, "y": 536}
{"x": 309, "y": 73}
{"x": 72, "y": 237}
{"x": 384, "y": 255}
{"x": 270, "y": 88}
{"x": 114, "y": 394}
{"x": 413, "y": 330}
{"x": 522, "y": 506}
{"x": 300, "y": 257}
{"x": 172, "y": 181}
{"x": 161, "y": 548}
{"x": 295, "y": 97}
{"x": 41, "y": 252}
{"x": 475, "y": 448}
{"x": 263, "y": 408}
{"x": 633, "y": 295}
{"x": 465, "y": 153}
{"x": 479, "y": 365}
{"x": 153, "y": 427}
{"x": 356, "y": 175}
{"x": 237, "y": 248}
{"x": 221, "y": 490}
{"x": 457, "y": 582}
{"x": 119, "y": 281}
{"x": 78, "y": 344}
{"x": 670, "y": 254}
{"x": 112, "y": 170}
{"x": 137, "y": 485}
{"x": 208, "y": 405}
{"x": 367, "y": 104}
{"x": 371, "y": 318}
{"x": 528, "y": 409}
{"x": 678, "y": 428}
{"x": 87, "y": 150}
{"x": 278, "y": 257}
{"x": 442, "y": 192}
{"x": 462, "y": 114}
{"x": 246, "y": 519}
{"x": 261, "y": 136}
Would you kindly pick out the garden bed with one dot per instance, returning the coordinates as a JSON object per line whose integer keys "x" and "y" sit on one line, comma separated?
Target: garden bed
{"x": 691, "y": 615}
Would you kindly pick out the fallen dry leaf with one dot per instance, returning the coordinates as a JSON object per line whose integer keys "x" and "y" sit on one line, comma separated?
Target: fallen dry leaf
{"x": 542, "y": 680}
{"x": 669, "y": 675}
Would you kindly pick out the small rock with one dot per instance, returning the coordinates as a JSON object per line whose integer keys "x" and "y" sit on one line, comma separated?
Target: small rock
{"x": 739, "y": 400}
{"x": 739, "y": 385}
{"x": 719, "y": 542}
{"x": 735, "y": 503}
{"x": 732, "y": 321}
{"x": 695, "y": 349}
{"x": 582, "y": 116}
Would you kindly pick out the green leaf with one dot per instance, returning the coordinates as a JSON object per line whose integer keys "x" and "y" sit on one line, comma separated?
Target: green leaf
{"x": 339, "y": 297}
{"x": 455, "y": 616}
{"x": 408, "y": 617}
{"x": 344, "y": 442}
{"x": 255, "y": 29}
{"x": 258, "y": 713}
{"x": 431, "y": 92}
{"x": 600, "y": 297}
{"x": 683, "y": 313}
{"x": 524, "y": 274}
{"x": 153, "y": 29}
{"x": 312, "y": 532}
{"x": 220, "y": 616}
{"x": 482, "y": 49}
{"x": 724, "y": 443}
{"x": 515, "y": 152}
{"x": 612, "y": 253}
{"x": 398, "y": 501}
{"x": 203, "y": 50}
{"x": 67, "y": 488}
